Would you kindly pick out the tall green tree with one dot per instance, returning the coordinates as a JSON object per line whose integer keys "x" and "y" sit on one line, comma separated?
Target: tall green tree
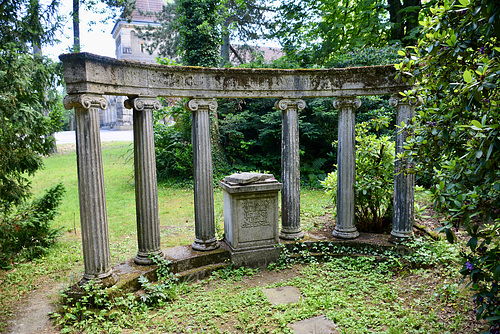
{"x": 29, "y": 103}
{"x": 200, "y": 32}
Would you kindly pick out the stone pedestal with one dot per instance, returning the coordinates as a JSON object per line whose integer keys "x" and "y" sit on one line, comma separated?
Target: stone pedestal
{"x": 290, "y": 168}
{"x": 204, "y": 218}
{"x": 346, "y": 168}
{"x": 146, "y": 189}
{"x": 251, "y": 217}
{"x": 404, "y": 183}
{"x": 93, "y": 214}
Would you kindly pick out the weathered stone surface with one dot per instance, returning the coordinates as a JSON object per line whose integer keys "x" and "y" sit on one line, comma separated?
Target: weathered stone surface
{"x": 316, "y": 325}
{"x": 251, "y": 217}
{"x": 282, "y": 295}
{"x": 88, "y": 73}
{"x": 290, "y": 168}
{"x": 246, "y": 178}
{"x": 204, "y": 218}
{"x": 346, "y": 168}
{"x": 93, "y": 213}
{"x": 146, "y": 189}
{"x": 404, "y": 183}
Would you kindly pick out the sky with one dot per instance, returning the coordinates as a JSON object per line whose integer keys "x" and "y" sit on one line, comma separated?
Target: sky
{"x": 95, "y": 38}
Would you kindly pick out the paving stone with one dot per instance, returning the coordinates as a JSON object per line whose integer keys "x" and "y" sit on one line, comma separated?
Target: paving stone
{"x": 283, "y": 295}
{"x": 316, "y": 325}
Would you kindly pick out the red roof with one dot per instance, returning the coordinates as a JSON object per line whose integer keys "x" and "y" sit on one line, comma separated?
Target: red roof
{"x": 145, "y": 6}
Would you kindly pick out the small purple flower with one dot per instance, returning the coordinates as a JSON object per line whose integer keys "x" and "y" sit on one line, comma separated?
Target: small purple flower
{"x": 469, "y": 265}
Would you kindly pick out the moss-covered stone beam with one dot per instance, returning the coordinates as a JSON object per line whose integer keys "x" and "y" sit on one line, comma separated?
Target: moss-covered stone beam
{"x": 88, "y": 73}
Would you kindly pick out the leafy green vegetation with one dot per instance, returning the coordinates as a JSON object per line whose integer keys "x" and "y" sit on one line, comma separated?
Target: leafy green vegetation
{"x": 456, "y": 145}
{"x": 373, "y": 189}
{"x": 418, "y": 293}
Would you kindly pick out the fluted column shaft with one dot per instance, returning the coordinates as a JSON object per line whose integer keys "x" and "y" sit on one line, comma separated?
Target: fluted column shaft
{"x": 93, "y": 214}
{"x": 290, "y": 168}
{"x": 404, "y": 183}
{"x": 346, "y": 168}
{"x": 146, "y": 189}
{"x": 204, "y": 218}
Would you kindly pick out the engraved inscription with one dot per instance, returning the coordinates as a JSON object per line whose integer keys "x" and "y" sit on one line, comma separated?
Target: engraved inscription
{"x": 255, "y": 213}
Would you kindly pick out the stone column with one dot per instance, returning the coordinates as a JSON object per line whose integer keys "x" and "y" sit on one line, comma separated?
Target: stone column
{"x": 93, "y": 215}
{"x": 203, "y": 174}
{"x": 290, "y": 168}
{"x": 346, "y": 168}
{"x": 146, "y": 189}
{"x": 404, "y": 183}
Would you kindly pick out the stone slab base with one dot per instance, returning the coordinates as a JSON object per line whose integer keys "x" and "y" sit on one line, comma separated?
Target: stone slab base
{"x": 255, "y": 258}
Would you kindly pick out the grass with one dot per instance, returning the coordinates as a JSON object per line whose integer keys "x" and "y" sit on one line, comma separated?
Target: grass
{"x": 353, "y": 293}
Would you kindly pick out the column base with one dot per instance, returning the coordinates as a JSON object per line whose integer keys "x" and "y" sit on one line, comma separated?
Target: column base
{"x": 291, "y": 234}
{"x": 206, "y": 245}
{"x": 399, "y": 237}
{"x": 348, "y": 233}
{"x": 143, "y": 259}
{"x": 103, "y": 280}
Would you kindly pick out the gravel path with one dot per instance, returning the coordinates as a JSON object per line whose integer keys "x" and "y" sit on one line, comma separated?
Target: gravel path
{"x": 68, "y": 137}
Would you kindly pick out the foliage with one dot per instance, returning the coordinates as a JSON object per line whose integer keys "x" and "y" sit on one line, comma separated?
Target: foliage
{"x": 30, "y": 110}
{"x": 26, "y": 234}
{"x": 100, "y": 308}
{"x": 320, "y": 29}
{"x": 457, "y": 141}
{"x": 482, "y": 268}
{"x": 199, "y": 32}
{"x": 173, "y": 147}
{"x": 374, "y": 178}
{"x": 156, "y": 294}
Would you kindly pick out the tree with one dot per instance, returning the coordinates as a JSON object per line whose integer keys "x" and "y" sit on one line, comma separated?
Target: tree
{"x": 457, "y": 140}
{"x": 199, "y": 32}
{"x": 28, "y": 89}
{"x": 318, "y": 28}
{"x": 30, "y": 110}
{"x": 245, "y": 20}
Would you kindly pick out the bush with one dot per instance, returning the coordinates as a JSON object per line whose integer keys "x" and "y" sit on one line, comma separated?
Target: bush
{"x": 374, "y": 178}
{"x": 482, "y": 267}
{"x": 27, "y": 234}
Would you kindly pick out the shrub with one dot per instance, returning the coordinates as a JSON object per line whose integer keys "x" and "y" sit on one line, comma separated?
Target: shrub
{"x": 482, "y": 267}
{"x": 27, "y": 234}
{"x": 374, "y": 178}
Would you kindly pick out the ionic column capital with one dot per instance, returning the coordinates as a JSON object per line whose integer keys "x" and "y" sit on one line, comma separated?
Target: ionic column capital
{"x": 413, "y": 101}
{"x": 201, "y": 105}
{"x": 142, "y": 103}
{"x": 85, "y": 101}
{"x": 285, "y": 104}
{"x": 343, "y": 102}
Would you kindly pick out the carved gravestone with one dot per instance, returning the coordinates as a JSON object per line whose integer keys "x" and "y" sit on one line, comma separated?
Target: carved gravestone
{"x": 251, "y": 217}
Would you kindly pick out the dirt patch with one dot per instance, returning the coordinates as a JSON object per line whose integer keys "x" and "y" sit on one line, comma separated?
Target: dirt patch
{"x": 32, "y": 315}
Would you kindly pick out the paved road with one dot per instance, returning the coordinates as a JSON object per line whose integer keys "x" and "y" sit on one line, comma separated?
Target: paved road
{"x": 68, "y": 137}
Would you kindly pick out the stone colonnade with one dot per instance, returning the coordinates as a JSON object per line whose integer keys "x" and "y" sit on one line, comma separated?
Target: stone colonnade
{"x": 286, "y": 85}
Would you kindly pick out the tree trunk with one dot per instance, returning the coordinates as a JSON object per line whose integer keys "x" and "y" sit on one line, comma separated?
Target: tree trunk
{"x": 411, "y": 18}
{"x": 396, "y": 19}
{"x": 226, "y": 44}
{"x": 76, "y": 25}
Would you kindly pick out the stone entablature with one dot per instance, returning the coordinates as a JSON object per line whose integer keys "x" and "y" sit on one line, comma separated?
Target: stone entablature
{"x": 88, "y": 73}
